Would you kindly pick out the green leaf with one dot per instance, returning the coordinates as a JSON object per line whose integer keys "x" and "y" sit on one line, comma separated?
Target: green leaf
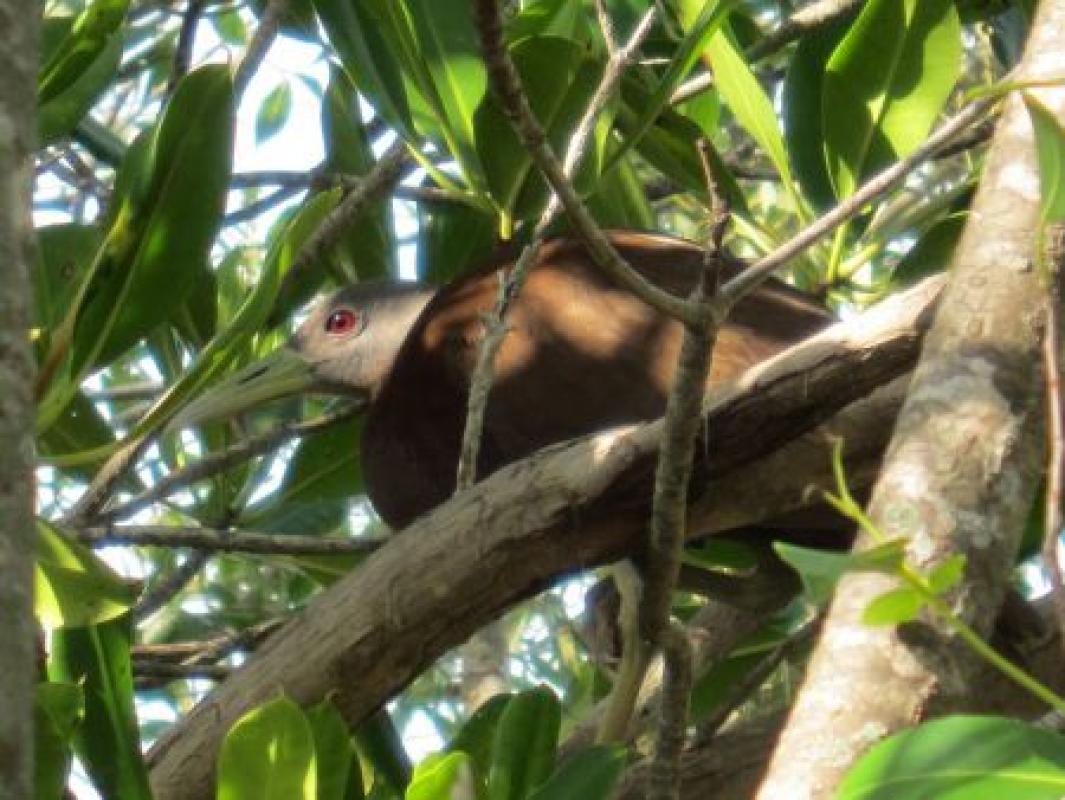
{"x": 1050, "y": 148}
{"x": 885, "y": 84}
{"x": 894, "y": 607}
{"x": 230, "y": 27}
{"x": 320, "y": 480}
{"x": 713, "y": 14}
{"x": 619, "y": 200}
{"x": 161, "y": 236}
{"x": 932, "y": 253}
{"x": 369, "y": 47}
{"x": 526, "y": 740}
{"x": 108, "y": 742}
{"x": 73, "y": 587}
{"x": 89, "y": 36}
{"x": 801, "y": 109}
{"x": 476, "y": 738}
{"x": 592, "y": 774}
{"x": 947, "y": 575}
{"x": 60, "y": 114}
{"x": 821, "y": 570}
{"x": 452, "y": 239}
{"x": 335, "y": 762}
{"x": 457, "y": 79}
{"x": 294, "y": 233}
{"x": 746, "y": 100}
{"x": 379, "y": 743}
{"x": 441, "y": 776}
{"x": 367, "y": 250}
{"x": 961, "y": 758}
{"x": 268, "y": 754}
{"x": 273, "y": 112}
{"x": 549, "y": 67}
{"x": 57, "y": 712}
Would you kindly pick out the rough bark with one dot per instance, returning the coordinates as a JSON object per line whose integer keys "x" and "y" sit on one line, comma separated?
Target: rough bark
{"x": 959, "y": 474}
{"x": 18, "y": 66}
{"x": 568, "y": 507}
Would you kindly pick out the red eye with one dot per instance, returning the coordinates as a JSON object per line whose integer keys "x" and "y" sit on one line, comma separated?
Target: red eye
{"x": 342, "y": 321}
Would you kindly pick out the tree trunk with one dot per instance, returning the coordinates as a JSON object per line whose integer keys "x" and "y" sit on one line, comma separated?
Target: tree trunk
{"x": 959, "y": 475}
{"x": 18, "y": 66}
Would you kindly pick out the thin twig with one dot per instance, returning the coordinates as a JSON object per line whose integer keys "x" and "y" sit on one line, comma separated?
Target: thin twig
{"x": 318, "y": 179}
{"x": 138, "y": 390}
{"x": 218, "y": 540}
{"x": 876, "y": 186}
{"x": 663, "y": 777}
{"x": 511, "y": 285}
{"x": 741, "y": 691}
{"x": 169, "y": 586}
{"x": 506, "y": 82}
{"x": 186, "y": 40}
{"x": 209, "y": 650}
{"x": 378, "y": 182}
{"x": 166, "y": 670}
{"x": 225, "y": 459}
{"x": 260, "y": 206}
{"x": 269, "y": 22}
{"x": 806, "y": 20}
{"x": 1052, "y": 516}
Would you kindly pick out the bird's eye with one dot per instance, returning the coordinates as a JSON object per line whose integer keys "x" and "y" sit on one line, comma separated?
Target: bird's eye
{"x": 342, "y": 321}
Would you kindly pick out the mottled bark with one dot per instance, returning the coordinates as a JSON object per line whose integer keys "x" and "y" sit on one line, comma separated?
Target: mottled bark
{"x": 18, "y": 66}
{"x": 959, "y": 475}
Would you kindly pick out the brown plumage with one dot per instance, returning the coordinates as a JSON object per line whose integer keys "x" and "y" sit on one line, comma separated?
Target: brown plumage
{"x": 581, "y": 355}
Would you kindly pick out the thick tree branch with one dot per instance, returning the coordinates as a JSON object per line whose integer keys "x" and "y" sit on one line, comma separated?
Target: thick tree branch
{"x": 959, "y": 474}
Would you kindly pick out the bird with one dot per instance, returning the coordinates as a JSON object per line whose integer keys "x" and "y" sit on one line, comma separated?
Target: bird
{"x": 581, "y": 354}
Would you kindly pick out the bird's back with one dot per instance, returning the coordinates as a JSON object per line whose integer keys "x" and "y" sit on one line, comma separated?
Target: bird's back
{"x": 581, "y": 355}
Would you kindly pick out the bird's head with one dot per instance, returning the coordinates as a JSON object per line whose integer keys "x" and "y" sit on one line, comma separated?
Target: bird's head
{"x": 346, "y": 346}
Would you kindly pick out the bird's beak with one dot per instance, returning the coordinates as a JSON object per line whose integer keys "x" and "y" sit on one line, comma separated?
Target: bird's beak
{"x": 281, "y": 374}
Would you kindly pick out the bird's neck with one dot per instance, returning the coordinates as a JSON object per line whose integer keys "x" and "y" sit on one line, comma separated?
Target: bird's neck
{"x": 394, "y": 319}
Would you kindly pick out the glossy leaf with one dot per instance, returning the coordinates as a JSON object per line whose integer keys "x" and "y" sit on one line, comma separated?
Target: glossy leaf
{"x": 108, "y": 742}
{"x": 526, "y": 740}
{"x": 476, "y": 738}
{"x": 363, "y": 37}
{"x": 335, "y": 762}
{"x": 961, "y": 758}
{"x": 894, "y": 607}
{"x": 73, "y": 587}
{"x": 885, "y": 85}
{"x": 456, "y": 81}
{"x": 1050, "y": 149}
{"x": 619, "y": 200}
{"x": 57, "y": 712}
{"x": 268, "y": 754}
{"x": 168, "y": 219}
{"x": 713, "y": 14}
{"x": 441, "y": 776}
{"x": 89, "y": 36}
{"x": 743, "y": 95}
{"x": 379, "y": 743}
{"x": 591, "y": 774}
{"x": 273, "y": 112}
{"x": 60, "y": 114}
{"x": 801, "y": 108}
